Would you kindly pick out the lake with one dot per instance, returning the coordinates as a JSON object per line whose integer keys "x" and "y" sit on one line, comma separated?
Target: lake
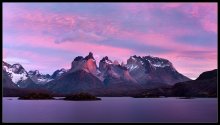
{"x": 111, "y": 109}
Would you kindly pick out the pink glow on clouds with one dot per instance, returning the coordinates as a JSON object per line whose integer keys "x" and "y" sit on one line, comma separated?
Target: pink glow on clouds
{"x": 204, "y": 13}
{"x": 76, "y": 46}
{"x": 77, "y": 33}
{"x": 201, "y": 11}
{"x": 160, "y": 40}
{"x": 209, "y": 26}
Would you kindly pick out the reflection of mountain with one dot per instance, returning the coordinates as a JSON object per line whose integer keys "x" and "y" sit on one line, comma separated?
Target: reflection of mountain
{"x": 108, "y": 79}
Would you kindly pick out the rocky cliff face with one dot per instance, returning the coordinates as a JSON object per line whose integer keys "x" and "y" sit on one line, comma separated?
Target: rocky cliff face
{"x": 150, "y": 69}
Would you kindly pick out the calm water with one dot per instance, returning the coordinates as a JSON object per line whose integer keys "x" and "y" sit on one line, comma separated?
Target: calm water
{"x": 111, "y": 109}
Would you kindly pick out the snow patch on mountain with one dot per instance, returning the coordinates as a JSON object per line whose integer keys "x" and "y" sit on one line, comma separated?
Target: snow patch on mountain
{"x": 43, "y": 80}
{"x": 15, "y": 77}
{"x": 132, "y": 67}
{"x": 39, "y": 78}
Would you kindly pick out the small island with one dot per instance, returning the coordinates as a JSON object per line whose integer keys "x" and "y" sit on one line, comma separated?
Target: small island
{"x": 81, "y": 97}
{"x": 36, "y": 96}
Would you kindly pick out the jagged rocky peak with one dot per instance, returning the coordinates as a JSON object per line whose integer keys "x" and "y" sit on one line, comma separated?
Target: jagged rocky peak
{"x": 47, "y": 75}
{"x": 149, "y": 57}
{"x": 106, "y": 60}
{"x": 90, "y": 56}
{"x": 17, "y": 68}
{"x": 33, "y": 72}
{"x": 133, "y": 59}
{"x": 62, "y": 69}
{"x": 116, "y": 62}
{"x": 78, "y": 58}
{"x": 87, "y": 64}
{"x": 122, "y": 64}
{"x": 5, "y": 64}
{"x": 58, "y": 73}
{"x": 16, "y": 65}
{"x": 137, "y": 60}
{"x": 105, "y": 63}
{"x": 157, "y": 62}
{"x": 150, "y": 61}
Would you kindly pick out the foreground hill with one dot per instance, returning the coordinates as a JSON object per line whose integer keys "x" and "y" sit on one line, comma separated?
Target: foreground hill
{"x": 204, "y": 86}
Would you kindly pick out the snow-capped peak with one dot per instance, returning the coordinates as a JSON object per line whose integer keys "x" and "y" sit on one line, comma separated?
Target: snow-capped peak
{"x": 58, "y": 73}
{"x": 16, "y": 72}
{"x": 17, "y": 68}
{"x": 159, "y": 62}
{"x": 38, "y": 77}
{"x": 132, "y": 67}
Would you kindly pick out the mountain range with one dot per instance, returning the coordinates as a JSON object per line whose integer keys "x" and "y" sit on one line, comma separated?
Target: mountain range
{"x": 109, "y": 78}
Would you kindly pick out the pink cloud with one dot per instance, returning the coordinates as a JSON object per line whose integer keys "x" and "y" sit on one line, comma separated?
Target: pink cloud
{"x": 59, "y": 24}
{"x": 171, "y": 5}
{"x": 39, "y": 29}
{"x": 97, "y": 29}
{"x": 206, "y": 13}
{"x": 209, "y": 26}
{"x": 160, "y": 40}
{"x": 76, "y": 46}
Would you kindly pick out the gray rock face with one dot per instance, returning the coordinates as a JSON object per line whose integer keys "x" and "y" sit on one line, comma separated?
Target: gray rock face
{"x": 150, "y": 69}
{"x": 58, "y": 73}
{"x": 87, "y": 64}
{"x": 114, "y": 72}
{"x": 39, "y": 78}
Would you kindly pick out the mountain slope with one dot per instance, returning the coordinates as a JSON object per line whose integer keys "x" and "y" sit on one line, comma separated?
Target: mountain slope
{"x": 6, "y": 81}
{"x": 58, "y": 73}
{"x": 17, "y": 75}
{"x": 114, "y": 72}
{"x": 204, "y": 85}
{"x": 74, "y": 82}
{"x": 208, "y": 75}
{"x": 39, "y": 78}
{"x": 150, "y": 69}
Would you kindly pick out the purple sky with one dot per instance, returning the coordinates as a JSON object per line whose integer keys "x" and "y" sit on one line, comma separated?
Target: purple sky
{"x": 48, "y": 36}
